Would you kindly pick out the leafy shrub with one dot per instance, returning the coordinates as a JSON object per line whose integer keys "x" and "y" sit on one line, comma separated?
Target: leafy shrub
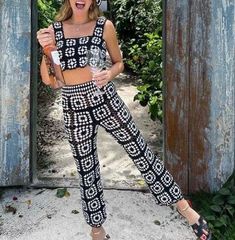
{"x": 219, "y": 210}
{"x": 134, "y": 18}
{"x": 47, "y": 11}
{"x": 145, "y": 62}
{"x": 139, "y": 27}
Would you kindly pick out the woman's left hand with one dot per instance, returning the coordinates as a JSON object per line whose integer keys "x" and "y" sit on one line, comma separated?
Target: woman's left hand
{"x": 102, "y": 78}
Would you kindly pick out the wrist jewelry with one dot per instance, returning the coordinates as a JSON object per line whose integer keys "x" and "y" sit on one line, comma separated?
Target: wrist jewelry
{"x": 50, "y": 68}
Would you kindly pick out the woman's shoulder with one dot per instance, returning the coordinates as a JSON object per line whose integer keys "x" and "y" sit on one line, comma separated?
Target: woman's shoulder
{"x": 109, "y": 25}
{"x": 109, "y": 30}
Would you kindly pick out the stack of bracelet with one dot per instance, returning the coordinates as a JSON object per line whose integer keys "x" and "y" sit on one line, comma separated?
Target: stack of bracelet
{"x": 48, "y": 62}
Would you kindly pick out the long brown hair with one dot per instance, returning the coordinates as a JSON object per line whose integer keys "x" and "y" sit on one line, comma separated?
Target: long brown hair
{"x": 66, "y": 12}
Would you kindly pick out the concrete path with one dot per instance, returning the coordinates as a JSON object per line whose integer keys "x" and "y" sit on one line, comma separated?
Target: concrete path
{"x": 132, "y": 215}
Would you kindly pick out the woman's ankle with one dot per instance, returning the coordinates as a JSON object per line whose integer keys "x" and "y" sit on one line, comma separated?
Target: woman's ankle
{"x": 188, "y": 212}
{"x": 97, "y": 229}
{"x": 182, "y": 205}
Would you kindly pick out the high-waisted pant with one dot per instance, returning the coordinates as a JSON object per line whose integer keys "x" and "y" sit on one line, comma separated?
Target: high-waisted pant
{"x": 83, "y": 113}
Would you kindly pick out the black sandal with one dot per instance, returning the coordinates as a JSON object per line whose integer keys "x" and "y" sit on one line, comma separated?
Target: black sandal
{"x": 198, "y": 229}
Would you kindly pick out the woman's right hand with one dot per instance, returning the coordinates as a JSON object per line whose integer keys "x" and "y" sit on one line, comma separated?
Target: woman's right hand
{"x": 46, "y": 36}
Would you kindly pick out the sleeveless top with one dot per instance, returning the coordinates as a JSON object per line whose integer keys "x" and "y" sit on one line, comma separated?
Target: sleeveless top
{"x": 72, "y": 51}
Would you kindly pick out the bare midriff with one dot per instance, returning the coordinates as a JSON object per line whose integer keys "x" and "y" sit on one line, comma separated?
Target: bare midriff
{"x": 77, "y": 76}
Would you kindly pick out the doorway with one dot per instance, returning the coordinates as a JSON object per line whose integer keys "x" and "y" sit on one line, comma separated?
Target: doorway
{"x": 53, "y": 163}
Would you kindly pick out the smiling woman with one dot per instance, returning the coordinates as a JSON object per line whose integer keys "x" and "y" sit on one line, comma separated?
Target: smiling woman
{"x": 67, "y": 9}
{"x": 200, "y": 116}
{"x": 69, "y": 25}
{"x": 79, "y": 29}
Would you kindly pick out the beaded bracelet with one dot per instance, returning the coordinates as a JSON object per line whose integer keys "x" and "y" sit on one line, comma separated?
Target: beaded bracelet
{"x": 50, "y": 67}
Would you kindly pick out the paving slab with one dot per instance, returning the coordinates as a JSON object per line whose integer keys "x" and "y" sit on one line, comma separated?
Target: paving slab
{"x": 131, "y": 215}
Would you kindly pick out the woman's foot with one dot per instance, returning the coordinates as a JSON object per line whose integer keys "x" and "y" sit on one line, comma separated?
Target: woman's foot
{"x": 98, "y": 233}
{"x": 198, "y": 224}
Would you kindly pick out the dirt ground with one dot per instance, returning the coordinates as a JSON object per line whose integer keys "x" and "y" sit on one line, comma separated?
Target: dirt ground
{"x": 117, "y": 169}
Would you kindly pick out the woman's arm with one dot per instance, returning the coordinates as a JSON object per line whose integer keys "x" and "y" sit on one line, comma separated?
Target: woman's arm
{"x": 114, "y": 51}
{"x": 46, "y": 37}
{"x": 110, "y": 37}
{"x": 46, "y": 71}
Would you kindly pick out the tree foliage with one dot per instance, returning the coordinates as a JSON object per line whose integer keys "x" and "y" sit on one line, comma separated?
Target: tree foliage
{"x": 47, "y": 11}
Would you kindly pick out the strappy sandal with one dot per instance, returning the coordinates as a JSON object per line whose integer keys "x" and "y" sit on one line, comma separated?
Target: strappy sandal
{"x": 198, "y": 228}
{"x": 95, "y": 236}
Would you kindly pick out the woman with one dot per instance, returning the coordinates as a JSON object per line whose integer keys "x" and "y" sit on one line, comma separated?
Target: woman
{"x": 79, "y": 27}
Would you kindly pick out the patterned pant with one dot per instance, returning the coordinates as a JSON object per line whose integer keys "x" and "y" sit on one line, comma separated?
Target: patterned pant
{"x": 83, "y": 113}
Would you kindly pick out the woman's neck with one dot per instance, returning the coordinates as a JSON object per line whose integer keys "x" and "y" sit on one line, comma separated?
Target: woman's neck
{"x": 77, "y": 20}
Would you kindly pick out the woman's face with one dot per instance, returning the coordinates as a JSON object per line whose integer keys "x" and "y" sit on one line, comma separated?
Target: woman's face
{"x": 79, "y": 6}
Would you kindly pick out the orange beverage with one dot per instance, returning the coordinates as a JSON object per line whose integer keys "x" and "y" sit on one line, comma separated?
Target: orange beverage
{"x": 52, "y": 53}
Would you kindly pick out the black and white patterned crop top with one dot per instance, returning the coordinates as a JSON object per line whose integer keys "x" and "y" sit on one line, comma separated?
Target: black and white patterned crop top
{"x": 72, "y": 51}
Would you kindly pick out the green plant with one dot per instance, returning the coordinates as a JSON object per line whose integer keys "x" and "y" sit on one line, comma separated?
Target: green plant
{"x": 146, "y": 61}
{"x": 219, "y": 209}
{"x": 134, "y": 18}
{"x": 47, "y": 11}
{"x": 139, "y": 27}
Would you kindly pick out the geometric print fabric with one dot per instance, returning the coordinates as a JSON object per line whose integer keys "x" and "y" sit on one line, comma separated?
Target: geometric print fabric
{"x": 73, "y": 51}
{"x": 81, "y": 122}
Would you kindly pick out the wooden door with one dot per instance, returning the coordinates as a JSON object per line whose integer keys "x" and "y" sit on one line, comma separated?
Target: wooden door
{"x": 15, "y": 47}
{"x": 199, "y": 93}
